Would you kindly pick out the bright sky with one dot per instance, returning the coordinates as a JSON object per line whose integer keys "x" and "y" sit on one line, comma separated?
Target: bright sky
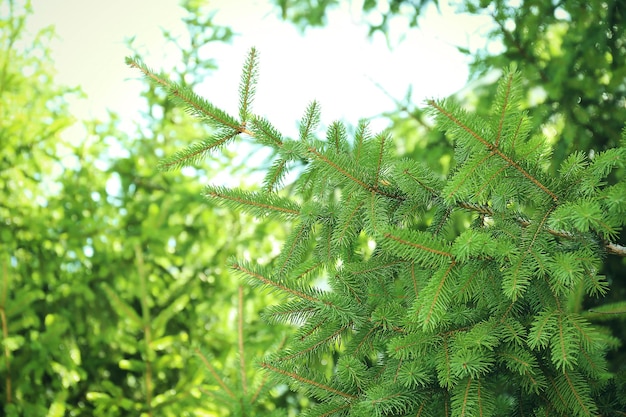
{"x": 336, "y": 65}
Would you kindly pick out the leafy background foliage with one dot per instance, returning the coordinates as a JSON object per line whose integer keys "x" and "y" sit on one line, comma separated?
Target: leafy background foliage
{"x": 114, "y": 290}
{"x": 115, "y": 298}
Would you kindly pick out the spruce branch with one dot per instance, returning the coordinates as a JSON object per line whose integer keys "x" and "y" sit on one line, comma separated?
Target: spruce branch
{"x": 414, "y": 300}
{"x": 294, "y": 249}
{"x": 193, "y": 103}
{"x": 327, "y": 409}
{"x": 504, "y": 108}
{"x": 259, "y": 204}
{"x": 389, "y": 399}
{"x": 444, "y": 368}
{"x": 361, "y": 137}
{"x": 609, "y": 309}
{"x": 325, "y": 340}
{"x": 289, "y": 312}
{"x": 611, "y": 248}
{"x": 348, "y": 224}
{"x": 265, "y": 133}
{"x": 417, "y": 175}
{"x": 307, "y": 381}
{"x": 273, "y": 284}
{"x": 492, "y": 148}
{"x": 275, "y": 175}
{"x": 247, "y": 86}
{"x": 570, "y": 394}
{"x": 197, "y": 151}
{"x": 383, "y": 140}
{"x": 419, "y": 246}
{"x": 337, "y": 136}
{"x": 437, "y": 296}
{"x": 327, "y": 160}
{"x": 471, "y": 399}
{"x": 506, "y": 102}
{"x": 310, "y": 121}
{"x": 336, "y": 166}
{"x": 214, "y": 373}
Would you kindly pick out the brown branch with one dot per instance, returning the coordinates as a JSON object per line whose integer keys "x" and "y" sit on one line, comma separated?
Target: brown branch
{"x": 5, "y": 331}
{"x": 611, "y": 248}
{"x": 147, "y": 326}
{"x": 615, "y": 249}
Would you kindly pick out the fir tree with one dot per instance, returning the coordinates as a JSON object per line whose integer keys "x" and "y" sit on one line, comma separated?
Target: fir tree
{"x": 418, "y": 294}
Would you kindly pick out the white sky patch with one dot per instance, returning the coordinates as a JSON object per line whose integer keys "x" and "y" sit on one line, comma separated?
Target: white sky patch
{"x": 336, "y": 65}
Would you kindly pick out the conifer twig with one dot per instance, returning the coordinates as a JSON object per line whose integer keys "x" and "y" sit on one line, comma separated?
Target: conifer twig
{"x": 308, "y": 381}
{"x": 271, "y": 283}
{"x": 248, "y": 84}
{"x": 189, "y": 98}
{"x": 216, "y": 376}
{"x": 319, "y": 343}
{"x": 353, "y": 178}
{"x": 495, "y": 150}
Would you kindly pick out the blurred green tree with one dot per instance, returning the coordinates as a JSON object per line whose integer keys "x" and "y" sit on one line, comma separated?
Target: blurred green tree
{"x": 114, "y": 298}
{"x": 39, "y": 347}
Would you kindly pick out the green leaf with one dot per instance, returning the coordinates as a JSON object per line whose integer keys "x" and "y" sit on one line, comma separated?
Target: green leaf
{"x": 123, "y": 309}
{"x": 159, "y": 323}
{"x": 132, "y": 365}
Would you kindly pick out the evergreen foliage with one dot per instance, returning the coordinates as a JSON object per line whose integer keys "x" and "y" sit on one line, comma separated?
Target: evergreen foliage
{"x": 419, "y": 294}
